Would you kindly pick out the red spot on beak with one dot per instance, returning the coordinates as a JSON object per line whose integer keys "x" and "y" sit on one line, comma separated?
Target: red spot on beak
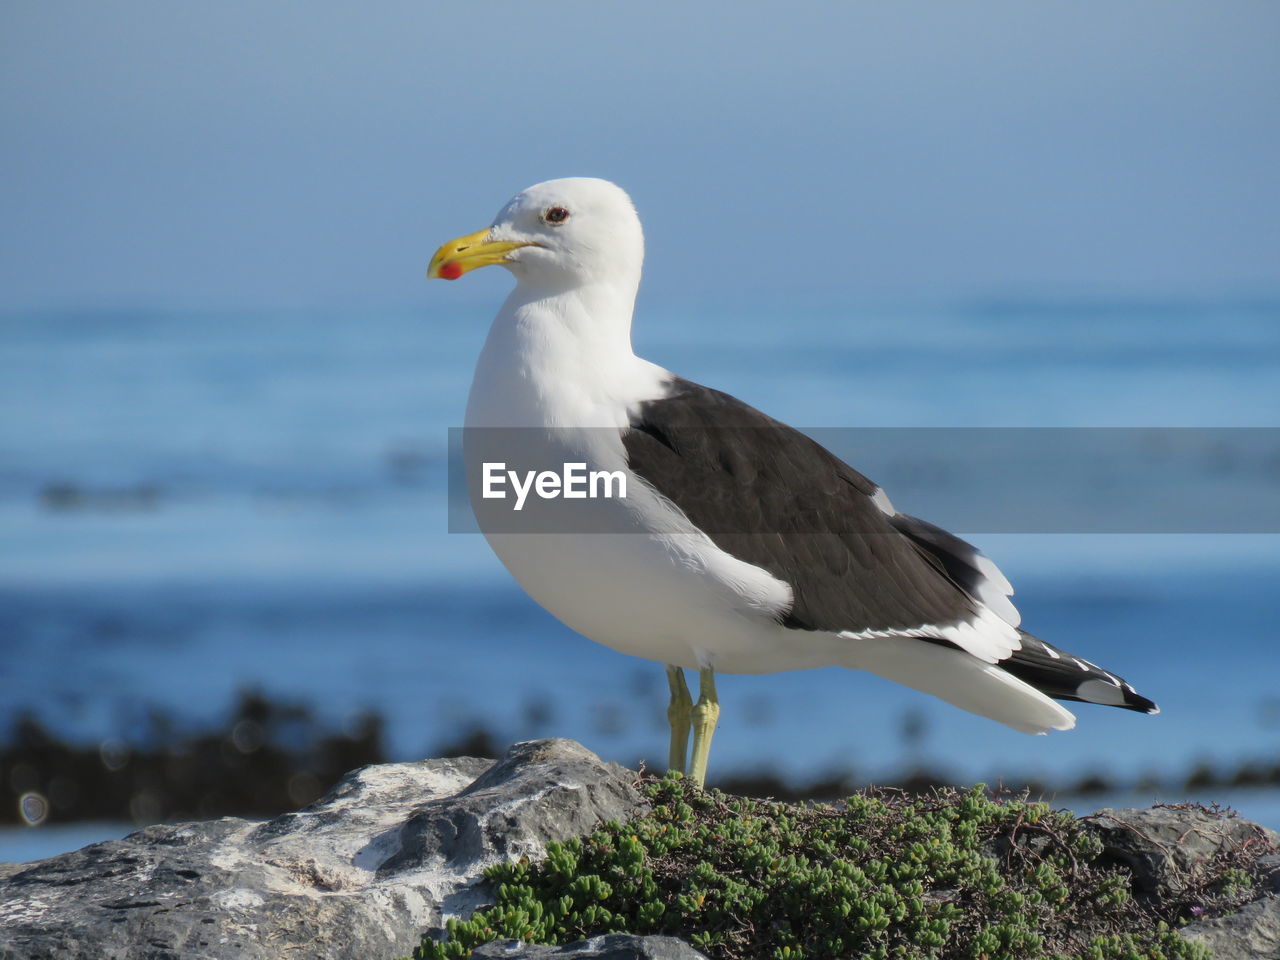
{"x": 450, "y": 270}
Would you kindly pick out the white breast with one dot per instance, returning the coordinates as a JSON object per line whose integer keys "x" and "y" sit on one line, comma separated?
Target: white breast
{"x": 632, "y": 574}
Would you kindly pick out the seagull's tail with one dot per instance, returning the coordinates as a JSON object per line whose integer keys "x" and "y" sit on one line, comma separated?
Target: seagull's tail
{"x": 1067, "y": 677}
{"x": 963, "y": 680}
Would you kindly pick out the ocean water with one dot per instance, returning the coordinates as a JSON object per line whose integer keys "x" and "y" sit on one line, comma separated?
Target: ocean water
{"x": 196, "y": 503}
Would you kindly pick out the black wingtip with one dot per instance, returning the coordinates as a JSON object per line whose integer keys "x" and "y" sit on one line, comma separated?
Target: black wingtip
{"x": 1129, "y": 699}
{"x": 1065, "y": 676}
{"x": 1140, "y": 703}
{"x": 1135, "y": 702}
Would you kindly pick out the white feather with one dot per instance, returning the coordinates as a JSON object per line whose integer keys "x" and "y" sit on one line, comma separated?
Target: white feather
{"x": 995, "y": 590}
{"x": 964, "y": 681}
{"x": 883, "y": 504}
{"x": 1099, "y": 691}
{"x": 988, "y": 637}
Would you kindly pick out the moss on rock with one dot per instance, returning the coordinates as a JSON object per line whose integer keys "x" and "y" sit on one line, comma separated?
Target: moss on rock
{"x": 955, "y": 874}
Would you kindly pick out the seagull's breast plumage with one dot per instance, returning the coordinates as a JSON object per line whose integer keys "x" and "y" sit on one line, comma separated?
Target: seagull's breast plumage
{"x": 631, "y": 573}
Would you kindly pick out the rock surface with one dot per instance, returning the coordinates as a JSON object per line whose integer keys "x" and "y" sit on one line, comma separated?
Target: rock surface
{"x": 388, "y": 853}
{"x": 1252, "y": 933}
{"x": 1169, "y": 848}
{"x": 393, "y": 850}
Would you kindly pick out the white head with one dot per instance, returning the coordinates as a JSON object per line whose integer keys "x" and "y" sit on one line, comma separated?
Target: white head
{"x": 562, "y": 234}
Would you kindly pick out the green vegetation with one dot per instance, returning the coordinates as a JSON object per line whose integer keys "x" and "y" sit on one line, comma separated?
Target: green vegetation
{"x": 956, "y": 874}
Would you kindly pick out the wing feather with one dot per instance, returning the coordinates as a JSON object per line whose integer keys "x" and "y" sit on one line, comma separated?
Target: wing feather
{"x": 774, "y": 497}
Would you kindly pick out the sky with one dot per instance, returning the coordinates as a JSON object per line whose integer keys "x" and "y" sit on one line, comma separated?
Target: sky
{"x": 253, "y": 153}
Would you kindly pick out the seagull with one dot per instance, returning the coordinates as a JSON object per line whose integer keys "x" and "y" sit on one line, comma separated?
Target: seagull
{"x": 731, "y": 543}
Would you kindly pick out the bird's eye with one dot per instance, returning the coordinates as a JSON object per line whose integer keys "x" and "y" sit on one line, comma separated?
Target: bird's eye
{"x": 555, "y": 215}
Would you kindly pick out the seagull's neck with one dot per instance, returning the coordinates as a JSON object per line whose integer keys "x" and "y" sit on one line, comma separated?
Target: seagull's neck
{"x": 562, "y": 358}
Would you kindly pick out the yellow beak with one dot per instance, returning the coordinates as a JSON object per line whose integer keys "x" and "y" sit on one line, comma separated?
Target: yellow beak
{"x": 467, "y": 253}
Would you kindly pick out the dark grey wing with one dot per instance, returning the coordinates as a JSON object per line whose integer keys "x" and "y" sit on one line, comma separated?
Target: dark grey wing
{"x": 775, "y": 498}
{"x": 964, "y": 563}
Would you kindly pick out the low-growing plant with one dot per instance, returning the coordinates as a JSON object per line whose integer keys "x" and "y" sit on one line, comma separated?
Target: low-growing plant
{"x": 955, "y": 874}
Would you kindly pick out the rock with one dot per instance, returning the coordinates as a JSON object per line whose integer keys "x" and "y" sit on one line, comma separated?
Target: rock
{"x": 1268, "y": 869}
{"x": 391, "y": 851}
{"x": 395, "y": 849}
{"x": 612, "y": 946}
{"x": 1251, "y": 933}
{"x": 1167, "y": 847}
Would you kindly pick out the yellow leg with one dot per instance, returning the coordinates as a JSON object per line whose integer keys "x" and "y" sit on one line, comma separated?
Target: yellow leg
{"x": 705, "y": 714}
{"x": 678, "y": 715}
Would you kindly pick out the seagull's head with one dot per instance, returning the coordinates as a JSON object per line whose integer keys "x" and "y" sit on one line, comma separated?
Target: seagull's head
{"x": 562, "y": 233}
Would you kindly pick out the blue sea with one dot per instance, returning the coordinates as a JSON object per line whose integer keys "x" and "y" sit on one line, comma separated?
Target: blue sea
{"x": 195, "y": 503}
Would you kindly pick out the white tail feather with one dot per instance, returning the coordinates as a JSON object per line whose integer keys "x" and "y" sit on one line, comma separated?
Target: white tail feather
{"x": 961, "y": 679}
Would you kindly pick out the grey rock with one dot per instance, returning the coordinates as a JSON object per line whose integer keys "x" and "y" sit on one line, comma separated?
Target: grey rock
{"x": 390, "y": 851}
{"x": 1252, "y": 933}
{"x": 1268, "y": 870}
{"x": 612, "y": 946}
{"x": 396, "y": 849}
{"x": 1168, "y": 847}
